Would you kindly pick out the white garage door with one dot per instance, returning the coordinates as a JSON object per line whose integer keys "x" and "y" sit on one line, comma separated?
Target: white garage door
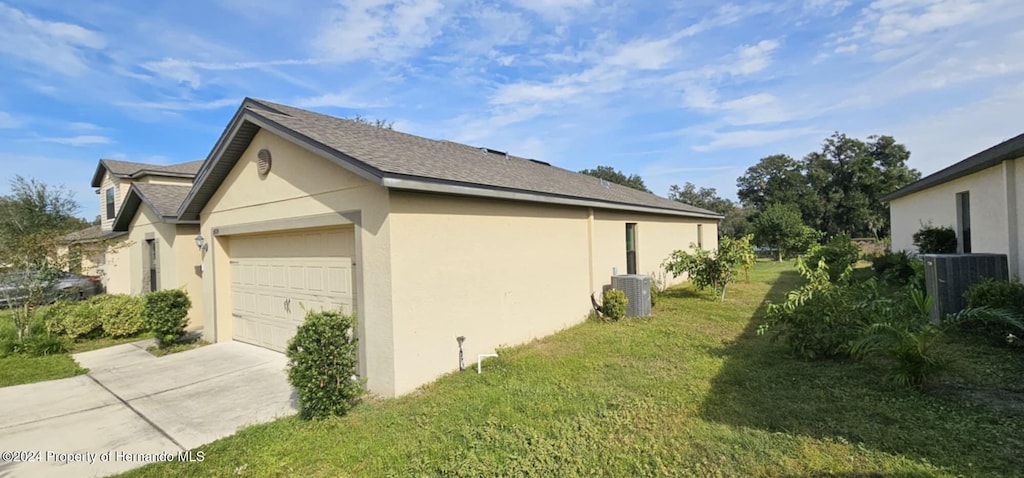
{"x": 277, "y": 279}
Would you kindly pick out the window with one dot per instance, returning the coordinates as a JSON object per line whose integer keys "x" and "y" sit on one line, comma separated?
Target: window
{"x": 630, "y": 248}
{"x": 963, "y": 221}
{"x": 110, "y": 203}
{"x": 700, "y": 236}
{"x": 152, "y": 266}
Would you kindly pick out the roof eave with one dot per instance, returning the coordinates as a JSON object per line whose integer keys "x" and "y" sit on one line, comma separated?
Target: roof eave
{"x": 995, "y": 155}
{"x": 444, "y": 187}
{"x": 190, "y": 208}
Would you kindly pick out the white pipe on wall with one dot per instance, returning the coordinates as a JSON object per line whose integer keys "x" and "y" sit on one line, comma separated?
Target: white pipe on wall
{"x": 480, "y": 359}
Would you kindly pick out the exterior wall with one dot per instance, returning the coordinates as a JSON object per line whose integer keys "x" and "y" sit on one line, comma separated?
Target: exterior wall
{"x": 937, "y": 205}
{"x": 656, "y": 238}
{"x": 301, "y": 184}
{"x": 177, "y": 256}
{"x": 497, "y": 272}
{"x": 504, "y": 273}
{"x": 113, "y": 265}
{"x": 107, "y": 223}
{"x": 150, "y": 179}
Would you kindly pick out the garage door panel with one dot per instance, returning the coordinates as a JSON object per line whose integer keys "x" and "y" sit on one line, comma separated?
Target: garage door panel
{"x": 272, "y": 294}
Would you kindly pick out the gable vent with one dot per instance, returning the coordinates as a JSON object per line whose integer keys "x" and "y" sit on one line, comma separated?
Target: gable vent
{"x": 263, "y": 162}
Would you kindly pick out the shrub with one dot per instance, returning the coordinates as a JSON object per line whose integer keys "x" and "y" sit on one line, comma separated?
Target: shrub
{"x": 120, "y": 315}
{"x": 74, "y": 319}
{"x": 707, "y": 269}
{"x": 895, "y": 267}
{"x": 322, "y": 365}
{"x": 613, "y": 304}
{"x": 994, "y": 294}
{"x": 839, "y": 253}
{"x": 165, "y": 313}
{"x": 820, "y": 318}
{"x": 935, "y": 240}
{"x": 39, "y": 344}
{"x": 654, "y": 294}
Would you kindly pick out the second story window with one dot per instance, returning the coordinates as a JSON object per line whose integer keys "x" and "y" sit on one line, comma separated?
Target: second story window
{"x": 110, "y": 203}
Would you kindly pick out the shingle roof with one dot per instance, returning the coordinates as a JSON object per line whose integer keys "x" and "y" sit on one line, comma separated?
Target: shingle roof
{"x": 398, "y": 153}
{"x": 126, "y": 169}
{"x": 164, "y": 199}
{"x": 91, "y": 234}
{"x": 1009, "y": 149}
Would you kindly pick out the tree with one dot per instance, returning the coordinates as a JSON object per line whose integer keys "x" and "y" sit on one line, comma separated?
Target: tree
{"x": 849, "y": 176}
{"x": 613, "y": 175}
{"x": 736, "y": 221}
{"x": 705, "y": 198}
{"x": 775, "y": 179}
{"x": 33, "y": 218}
{"x": 836, "y": 189}
{"x": 378, "y": 122}
{"x": 712, "y": 269}
{"x": 779, "y": 227}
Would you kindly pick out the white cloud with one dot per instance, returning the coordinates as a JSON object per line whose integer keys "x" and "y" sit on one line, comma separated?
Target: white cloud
{"x": 187, "y": 71}
{"x": 751, "y": 137}
{"x": 83, "y": 126}
{"x": 557, "y": 10}
{"x": 182, "y": 105}
{"x": 82, "y": 140}
{"x": 55, "y": 46}
{"x": 380, "y": 29}
{"x": 8, "y": 121}
{"x": 336, "y": 100}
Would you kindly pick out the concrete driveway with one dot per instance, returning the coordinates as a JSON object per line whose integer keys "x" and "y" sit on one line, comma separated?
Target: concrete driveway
{"x": 133, "y": 408}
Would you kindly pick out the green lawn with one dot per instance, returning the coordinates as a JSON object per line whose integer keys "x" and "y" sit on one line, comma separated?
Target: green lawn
{"x": 691, "y": 391}
{"x": 20, "y": 370}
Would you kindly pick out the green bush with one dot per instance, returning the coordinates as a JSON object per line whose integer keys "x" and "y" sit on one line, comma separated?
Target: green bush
{"x": 898, "y": 268}
{"x": 120, "y": 315}
{"x": 840, "y": 253}
{"x": 39, "y": 342}
{"x": 322, "y": 365}
{"x": 994, "y": 294}
{"x": 711, "y": 269}
{"x": 165, "y": 313}
{"x": 73, "y": 319}
{"x": 654, "y": 294}
{"x": 821, "y": 318}
{"x": 613, "y": 304}
{"x": 935, "y": 240}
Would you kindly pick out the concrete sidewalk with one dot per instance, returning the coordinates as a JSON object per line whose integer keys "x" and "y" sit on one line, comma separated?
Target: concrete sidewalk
{"x": 132, "y": 403}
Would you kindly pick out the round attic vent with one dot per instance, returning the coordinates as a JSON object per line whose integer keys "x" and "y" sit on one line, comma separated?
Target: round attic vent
{"x": 263, "y": 162}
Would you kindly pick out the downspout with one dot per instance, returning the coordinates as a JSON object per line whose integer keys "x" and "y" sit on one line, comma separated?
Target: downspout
{"x": 1013, "y": 233}
{"x": 590, "y": 246}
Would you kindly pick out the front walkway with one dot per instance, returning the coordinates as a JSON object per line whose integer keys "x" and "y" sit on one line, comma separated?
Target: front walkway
{"x": 133, "y": 408}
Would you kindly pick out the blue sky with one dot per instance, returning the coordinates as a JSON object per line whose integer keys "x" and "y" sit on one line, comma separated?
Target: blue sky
{"x": 686, "y": 91}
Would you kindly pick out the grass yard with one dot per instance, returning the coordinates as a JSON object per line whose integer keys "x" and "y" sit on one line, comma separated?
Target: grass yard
{"x": 19, "y": 370}
{"x": 691, "y": 391}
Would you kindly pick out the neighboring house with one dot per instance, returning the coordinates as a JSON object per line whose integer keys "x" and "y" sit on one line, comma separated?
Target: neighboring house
{"x": 424, "y": 240}
{"x": 981, "y": 197}
{"x": 131, "y": 249}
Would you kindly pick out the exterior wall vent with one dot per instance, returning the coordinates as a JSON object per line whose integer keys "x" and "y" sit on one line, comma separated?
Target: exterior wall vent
{"x": 263, "y": 162}
{"x": 638, "y": 290}
{"x": 948, "y": 276}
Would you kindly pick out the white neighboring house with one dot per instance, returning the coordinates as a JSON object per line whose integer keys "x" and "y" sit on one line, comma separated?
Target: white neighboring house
{"x": 981, "y": 198}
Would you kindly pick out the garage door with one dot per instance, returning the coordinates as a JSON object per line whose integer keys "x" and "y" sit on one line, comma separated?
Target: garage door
{"x": 277, "y": 279}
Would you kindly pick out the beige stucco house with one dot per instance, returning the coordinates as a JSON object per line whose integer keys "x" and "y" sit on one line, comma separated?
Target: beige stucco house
{"x": 132, "y": 249}
{"x": 980, "y": 197}
{"x": 424, "y": 240}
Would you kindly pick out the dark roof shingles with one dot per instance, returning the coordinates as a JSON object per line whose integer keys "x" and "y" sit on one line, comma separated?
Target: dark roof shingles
{"x": 164, "y": 198}
{"x": 404, "y": 154}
